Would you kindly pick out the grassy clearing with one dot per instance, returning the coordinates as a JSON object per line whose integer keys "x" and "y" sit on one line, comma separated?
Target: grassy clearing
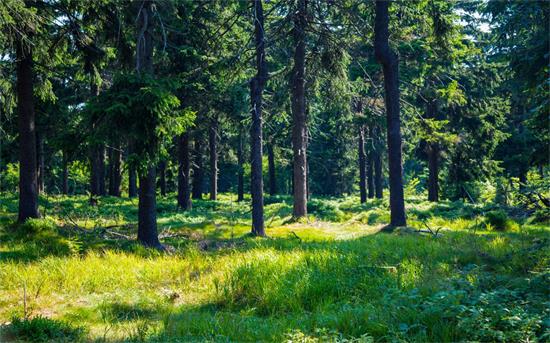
{"x": 333, "y": 278}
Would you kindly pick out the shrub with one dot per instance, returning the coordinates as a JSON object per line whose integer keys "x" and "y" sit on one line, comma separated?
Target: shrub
{"x": 498, "y": 220}
{"x": 36, "y": 226}
{"x": 41, "y": 329}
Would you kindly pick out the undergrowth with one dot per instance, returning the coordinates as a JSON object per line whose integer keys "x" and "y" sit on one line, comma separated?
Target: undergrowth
{"x": 78, "y": 274}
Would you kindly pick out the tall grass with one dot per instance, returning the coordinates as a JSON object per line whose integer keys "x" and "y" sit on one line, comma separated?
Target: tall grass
{"x": 319, "y": 283}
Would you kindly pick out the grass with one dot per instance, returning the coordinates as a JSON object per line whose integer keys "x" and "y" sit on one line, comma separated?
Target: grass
{"x": 334, "y": 278}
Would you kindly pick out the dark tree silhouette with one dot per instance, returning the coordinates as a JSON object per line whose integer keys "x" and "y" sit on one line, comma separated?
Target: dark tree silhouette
{"x": 388, "y": 58}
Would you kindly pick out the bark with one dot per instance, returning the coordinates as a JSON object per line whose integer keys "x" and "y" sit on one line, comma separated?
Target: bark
{"x": 362, "y": 166}
{"x": 378, "y": 188}
{"x": 132, "y": 182}
{"x": 433, "y": 172}
{"x": 370, "y": 166}
{"x": 147, "y": 214}
{"x": 198, "y": 169}
{"x": 271, "y": 169}
{"x": 298, "y": 104}
{"x": 256, "y": 89}
{"x": 387, "y": 57}
{"x": 115, "y": 160}
{"x": 40, "y": 162}
{"x": 432, "y": 151}
{"x": 97, "y": 155}
{"x": 97, "y": 172}
{"x": 65, "y": 178}
{"x": 162, "y": 177}
{"x": 240, "y": 172}
{"x": 184, "y": 171}
{"x": 28, "y": 192}
{"x": 213, "y": 145}
{"x": 147, "y": 206}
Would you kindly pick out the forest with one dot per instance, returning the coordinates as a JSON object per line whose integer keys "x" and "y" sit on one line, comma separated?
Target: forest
{"x": 274, "y": 171}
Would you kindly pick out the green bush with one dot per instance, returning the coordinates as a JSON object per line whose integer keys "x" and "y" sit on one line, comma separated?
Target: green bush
{"x": 326, "y": 210}
{"x": 498, "y": 220}
{"x": 41, "y": 329}
{"x": 36, "y": 226}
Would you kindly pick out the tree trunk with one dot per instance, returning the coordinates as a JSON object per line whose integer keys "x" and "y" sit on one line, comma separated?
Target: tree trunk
{"x": 298, "y": 104}
{"x": 97, "y": 155}
{"x": 433, "y": 172}
{"x": 28, "y": 192}
{"x": 147, "y": 206}
{"x": 378, "y": 188}
{"x": 271, "y": 168}
{"x": 256, "y": 89}
{"x": 115, "y": 157}
{"x": 40, "y": 162}
{"x": 370, "y": 165}
{"x": 97, "y": 172}
{"x": 198, "y": 169}
{"x": 213, "y": 145}
{"x": 147, "y": 210}
{"x": 132, "y": 182}
{"x": 65, "y": 179}
{"x": 162, "y": 178}
{"x": 362, "y": 166}
{"x": 240, "y": 162}
{"x": 184, "y": 170}
{"x": 387, "y": 57}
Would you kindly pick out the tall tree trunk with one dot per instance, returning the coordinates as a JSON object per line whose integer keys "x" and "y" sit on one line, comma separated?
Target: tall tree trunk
{"x": 132, "y": 182}
{"x": 147, "y": 206}
{"x": 378, "y": 188}
{"x": 40, "y": 162}
{"x": 213, "y": 145}
{"x": 132, "y": 175}
{"x": 433, "y": 172}
{"x": 198, "y": 168}
{"x": 110, "y": 171}
{"x": 370, "y": 165}
{"x": 97, "y": 154}
{"x": 387, "y": 57}
{"x": 362, "y": 165}
{"x": 147, "y": 214}
{"x": 432, "y": 151}
{"x": 298, "y": 104}
{"x": 65, "y": 177}
{"x": 28, "y": 192}
{"x": 162, "y": 177}
{"x": 97, "y": 172}
{"x": 256, "y": 89}
{"x": 240, "y": 162}
{"x": 271, "y": 168}
{"x": 115, "y": 158}
{"x": 184, "y": 171}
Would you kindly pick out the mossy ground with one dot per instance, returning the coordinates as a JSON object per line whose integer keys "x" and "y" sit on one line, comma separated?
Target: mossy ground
{"x": 334, "y": 277}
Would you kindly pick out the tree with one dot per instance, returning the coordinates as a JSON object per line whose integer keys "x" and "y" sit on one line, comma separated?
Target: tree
{"x": 28, "y": 187}
{"x": 184, "y": 173}
{"x": 388, "y": 59}
{"x": 299, "y": 128}
{"x": 256, "y": 88}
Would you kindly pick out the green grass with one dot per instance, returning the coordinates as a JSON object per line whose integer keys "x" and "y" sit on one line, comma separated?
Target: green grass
{"x": 335, "y": 277}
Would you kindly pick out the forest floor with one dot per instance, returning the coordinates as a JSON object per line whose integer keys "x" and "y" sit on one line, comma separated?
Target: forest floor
{"x": 79, "y": 275}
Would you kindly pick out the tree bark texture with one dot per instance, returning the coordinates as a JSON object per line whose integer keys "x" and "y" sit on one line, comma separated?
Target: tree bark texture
{"x": 28, "y": 187}
{"x": 184, "y": 173}
{"x": 299, "y": 120}
{"x": 387, "y": 57}
{"x": 213, "y": 145}
{"x": 256, "y": 89}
